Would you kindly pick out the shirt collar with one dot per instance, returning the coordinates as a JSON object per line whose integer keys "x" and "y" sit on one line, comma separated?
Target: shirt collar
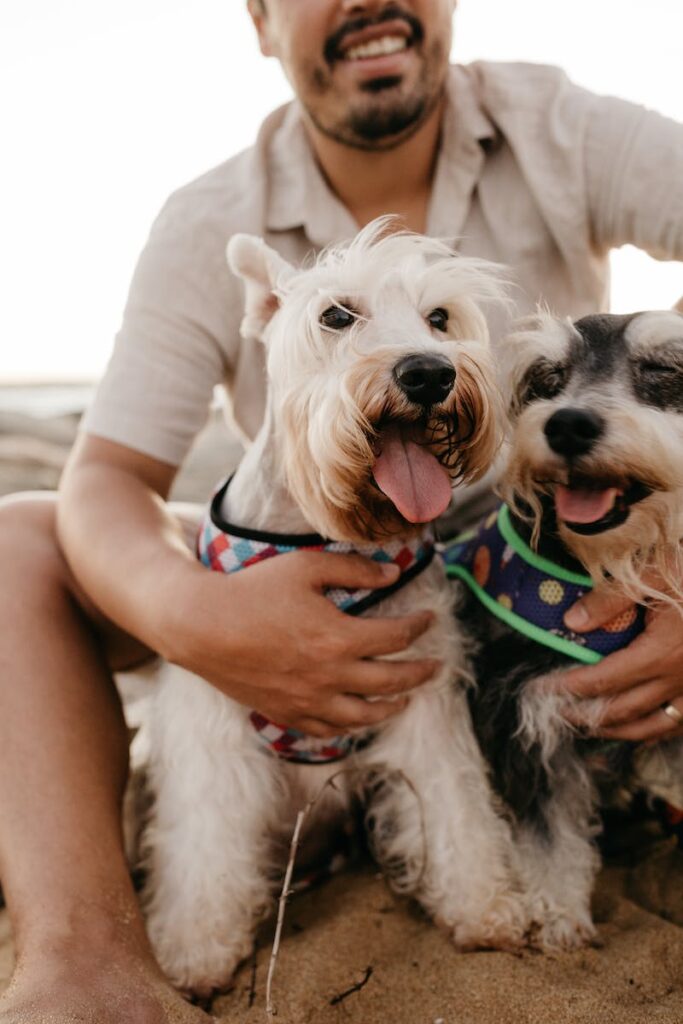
{"x": 465, "y": 135}
{"x": 299, "y": 196}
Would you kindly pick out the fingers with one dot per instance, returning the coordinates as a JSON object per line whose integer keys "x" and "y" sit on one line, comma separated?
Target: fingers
{"x": 595, "y": 609}
{"x": 638, "y": 702}
{"x": 618, "y": 671}
{"x": 338, "y": 710}
{"x": 353, "y": 572}
{"x": 346, "y": 713}
{"x": 654, "y": 726}
{"x": 624, "y": 708}
{"x": 371, "y": 638}
{"x": 365, "y": 637}
{"x": 384, "y": 678}
{"x": 655, "y": 654}
{"x": 352, "y": 696}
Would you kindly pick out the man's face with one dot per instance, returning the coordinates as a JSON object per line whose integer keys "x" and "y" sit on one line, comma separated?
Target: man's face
{"x": 368, "y": 72}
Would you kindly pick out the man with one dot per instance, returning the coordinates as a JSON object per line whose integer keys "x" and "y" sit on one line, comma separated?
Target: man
{"x": 525, "y": 169}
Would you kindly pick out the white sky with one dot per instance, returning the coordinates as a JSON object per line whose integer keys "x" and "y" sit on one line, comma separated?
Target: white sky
{"x": 110, "y": 106}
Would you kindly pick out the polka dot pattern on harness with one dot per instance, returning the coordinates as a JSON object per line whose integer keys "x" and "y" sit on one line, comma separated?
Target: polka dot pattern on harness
{"x": 621, "y": 622}
{"x": 531, "y": 593}
{"x": 481, "y": 569}
{"x": 551, "y": 591}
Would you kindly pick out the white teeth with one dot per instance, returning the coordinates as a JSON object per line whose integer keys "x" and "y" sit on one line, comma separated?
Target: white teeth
{"x": 377, "y": 48}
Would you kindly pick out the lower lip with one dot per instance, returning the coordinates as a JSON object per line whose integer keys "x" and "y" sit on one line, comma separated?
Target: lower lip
{"x": 387, "y": 65}
{"x": 617, "y": 517}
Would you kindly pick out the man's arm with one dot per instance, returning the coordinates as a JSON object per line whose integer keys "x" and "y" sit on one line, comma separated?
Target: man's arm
{"x": 269, "y": 637}
{"x": 634, "y": 169}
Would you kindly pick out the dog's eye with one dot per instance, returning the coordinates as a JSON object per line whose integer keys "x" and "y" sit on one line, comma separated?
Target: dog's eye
{"x": 659, "y": 369}
{"x": 336, "y": 318}
{"x": 438, "y": 318}
{"x": 543, "y": 380}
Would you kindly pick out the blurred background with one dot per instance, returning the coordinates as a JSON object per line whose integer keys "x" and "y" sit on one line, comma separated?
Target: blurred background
{"x": 109, "y": 107}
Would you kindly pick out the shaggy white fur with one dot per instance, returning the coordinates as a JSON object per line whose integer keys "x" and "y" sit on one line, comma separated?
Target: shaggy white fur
{"x": 224, "y": 806}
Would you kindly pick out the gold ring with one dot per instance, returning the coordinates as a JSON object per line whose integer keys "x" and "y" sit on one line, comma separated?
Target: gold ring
{"x": 673, "y": 713}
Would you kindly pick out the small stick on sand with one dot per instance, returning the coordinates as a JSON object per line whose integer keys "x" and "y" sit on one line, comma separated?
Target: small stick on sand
{"x": 354, "y": 988}
{"x": 286, "y": 885}
{"x": 282, "y": 902}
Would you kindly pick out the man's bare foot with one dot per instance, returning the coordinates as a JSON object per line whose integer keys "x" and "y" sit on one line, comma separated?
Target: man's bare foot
{"x": 107, "y": 987}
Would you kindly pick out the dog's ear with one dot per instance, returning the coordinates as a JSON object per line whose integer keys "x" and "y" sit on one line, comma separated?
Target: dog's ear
{"x": 262, "y": 270}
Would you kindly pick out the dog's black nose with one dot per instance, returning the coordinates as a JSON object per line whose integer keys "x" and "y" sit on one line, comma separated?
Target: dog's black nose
{"x": 425, "y": 379}
{"x": 572, "y": 432}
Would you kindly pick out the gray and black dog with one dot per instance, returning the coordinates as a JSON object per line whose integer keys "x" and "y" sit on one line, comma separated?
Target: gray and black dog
{"x": 594, "y": 491}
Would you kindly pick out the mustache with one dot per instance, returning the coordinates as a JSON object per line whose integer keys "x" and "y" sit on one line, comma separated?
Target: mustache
{"x": 331, "y": 50}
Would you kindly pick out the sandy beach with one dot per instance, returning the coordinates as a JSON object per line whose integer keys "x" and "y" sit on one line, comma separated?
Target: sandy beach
{"x": 352, "y": 952}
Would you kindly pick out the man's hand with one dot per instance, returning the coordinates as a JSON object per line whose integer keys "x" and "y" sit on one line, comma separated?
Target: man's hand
{"x": 269, "y": 638}
{"x": 637, "y": 680}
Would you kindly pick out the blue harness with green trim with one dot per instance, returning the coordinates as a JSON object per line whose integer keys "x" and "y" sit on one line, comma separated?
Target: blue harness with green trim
{"x": 530, "y": 593}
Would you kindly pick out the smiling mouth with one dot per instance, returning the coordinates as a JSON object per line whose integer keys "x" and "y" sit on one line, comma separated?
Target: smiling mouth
{"x": 361, "y": 40}
{"x": 590, "y": 506}
{"x": 408, "y": 473}
{"x": 382, "y": 47}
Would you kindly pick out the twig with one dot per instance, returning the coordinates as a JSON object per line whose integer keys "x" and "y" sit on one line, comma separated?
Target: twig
{"x": 286, "y": 890}
{"x": 282, "y": 902}
{"x": 354, "y": 988}
{"x": 286, "y": 887}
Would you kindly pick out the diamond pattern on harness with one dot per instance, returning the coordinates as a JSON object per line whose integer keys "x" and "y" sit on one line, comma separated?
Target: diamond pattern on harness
{"x": 223, "y": 551}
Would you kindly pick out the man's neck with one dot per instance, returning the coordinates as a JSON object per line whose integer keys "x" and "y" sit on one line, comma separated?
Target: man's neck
{"x": 375, "y": 182}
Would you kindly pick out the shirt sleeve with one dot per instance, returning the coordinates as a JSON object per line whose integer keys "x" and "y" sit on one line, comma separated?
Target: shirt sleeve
{"x": 171, "y": 349}
{"x": 634, "y": 178}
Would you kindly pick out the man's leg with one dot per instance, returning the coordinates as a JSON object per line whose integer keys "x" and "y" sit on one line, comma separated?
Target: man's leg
{"x": 82, "y": 952}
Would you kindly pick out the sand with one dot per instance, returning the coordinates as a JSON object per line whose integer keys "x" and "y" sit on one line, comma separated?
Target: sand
{"x": 353, "y": 953}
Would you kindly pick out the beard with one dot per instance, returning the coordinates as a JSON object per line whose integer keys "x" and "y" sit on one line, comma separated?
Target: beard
{"x": 384, "y": 112}
{"x": 375, "y": 125}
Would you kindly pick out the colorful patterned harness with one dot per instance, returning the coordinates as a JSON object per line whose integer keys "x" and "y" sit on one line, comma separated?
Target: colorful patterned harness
{"x": 223, "y": 547}
{"x": 530, "y": 593}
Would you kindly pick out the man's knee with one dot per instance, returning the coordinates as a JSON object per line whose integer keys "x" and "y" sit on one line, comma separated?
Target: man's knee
{"x": 36, "y": 571}
{"x": 28, "y": 538}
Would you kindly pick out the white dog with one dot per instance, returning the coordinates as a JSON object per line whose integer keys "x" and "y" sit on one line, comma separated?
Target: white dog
{"x": 380, "y": 396}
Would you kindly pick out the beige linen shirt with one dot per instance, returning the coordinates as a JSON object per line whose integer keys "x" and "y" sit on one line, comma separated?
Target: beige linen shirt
{"x": 533, "y": 172}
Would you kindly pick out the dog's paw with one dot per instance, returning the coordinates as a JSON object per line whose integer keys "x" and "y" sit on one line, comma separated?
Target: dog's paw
{"x": 199, "y": 967}
{"x": 502, "y": 924}
{"x": 559, "y": 931}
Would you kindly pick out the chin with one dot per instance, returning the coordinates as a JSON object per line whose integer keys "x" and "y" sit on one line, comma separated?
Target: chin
{"x": 379, "y": 112}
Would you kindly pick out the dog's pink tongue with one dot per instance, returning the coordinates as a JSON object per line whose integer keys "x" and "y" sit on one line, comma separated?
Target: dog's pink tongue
{"x": 583, "y": 505}
{"x": 411, "y": 477}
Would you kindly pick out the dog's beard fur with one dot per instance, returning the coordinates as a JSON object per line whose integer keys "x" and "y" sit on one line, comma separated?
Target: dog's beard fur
{"x": 641, "y": 557}
{"x": 332, "y": 389}
{"x": 328, "y": 440}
